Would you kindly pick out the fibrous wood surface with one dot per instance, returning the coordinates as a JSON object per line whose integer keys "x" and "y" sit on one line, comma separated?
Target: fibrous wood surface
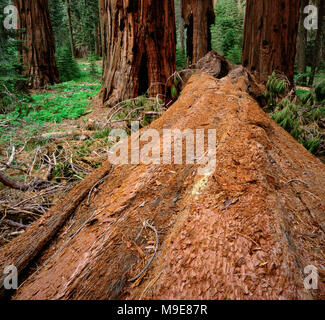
{"x": 246, "y": 231}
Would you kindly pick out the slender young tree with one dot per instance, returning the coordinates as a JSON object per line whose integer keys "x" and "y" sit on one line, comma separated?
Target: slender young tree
{"x": 139, "y": 47}
{"x": 302, "y": 42}
{"x": 319, "y": 40}
{"x": 181, "y": 29}
{"x": 98, "y": 33}
{"x": 68, "y": 9}
{"x": 270, "y": 37}
{"x": 37, "y": 47}
{"x": 100, "y": 15}
{"x": 198, "y": 16}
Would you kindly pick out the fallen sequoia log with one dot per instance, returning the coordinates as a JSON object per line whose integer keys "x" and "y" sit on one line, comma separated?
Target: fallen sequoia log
{"x": 246, "y": 231}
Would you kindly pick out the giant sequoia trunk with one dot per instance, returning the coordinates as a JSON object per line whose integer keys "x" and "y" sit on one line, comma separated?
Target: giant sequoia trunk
{"x": 198, "y": 16}
{"x": 270, "y": 37}
{"x": 139, "y": 47}
{"x": 37, "y": 48}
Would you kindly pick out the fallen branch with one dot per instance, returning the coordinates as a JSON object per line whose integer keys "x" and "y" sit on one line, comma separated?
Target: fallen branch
{"x": 14, "y": 224}
{"x": 95, "y": 185}
{"x": 12, "y": 167}
{"x": 34, "y": 160}
{"x": 34, "y": 185}
{"x": 59, "y": 135}
{"x": 12, "y": 157}
{"x": 12, "y": 183}
{"x": 297, "y": 180}
{"x": 146, "y": 224}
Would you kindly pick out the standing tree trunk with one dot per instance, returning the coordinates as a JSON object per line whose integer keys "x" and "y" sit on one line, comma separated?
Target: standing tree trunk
{"x": 270, "y": 37}
{"x": 182, "y": 30}
{"x": 319, "y": 40}
{"x": 139, "y": 47}
{"x": 37, "y": 47}
{"x": 302, "y": 42}
{"x": 100, "y": 30}
{"x": 198, "y": 16}
{"x": 70, "y": 28}
{"x": 98, "y": 40}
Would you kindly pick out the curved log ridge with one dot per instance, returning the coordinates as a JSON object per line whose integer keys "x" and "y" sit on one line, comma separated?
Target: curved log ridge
{"x": 247, "y": 231}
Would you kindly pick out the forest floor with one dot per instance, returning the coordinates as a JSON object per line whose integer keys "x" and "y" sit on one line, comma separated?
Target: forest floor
{"x": 61, "y": 141}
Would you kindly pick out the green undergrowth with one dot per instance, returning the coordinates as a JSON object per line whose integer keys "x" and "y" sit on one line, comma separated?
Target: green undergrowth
{"x": 180, "y": 59}
{"x": 70, "y": 101}
{"x": 302, "y": 78}
{"x": 302, "y": 114}
{"x": 66, "y": 100}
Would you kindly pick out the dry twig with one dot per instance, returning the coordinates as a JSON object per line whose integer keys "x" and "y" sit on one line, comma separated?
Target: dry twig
{"x": 146, "y": 224}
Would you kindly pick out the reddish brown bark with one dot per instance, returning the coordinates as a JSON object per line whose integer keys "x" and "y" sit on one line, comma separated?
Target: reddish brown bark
{"x": 247, "y": 231}
{"x": 270, "y": 37}
{"x": 198, "y": 16}
{"x": 37, "y": 49}
{"x": 139, "y": 47}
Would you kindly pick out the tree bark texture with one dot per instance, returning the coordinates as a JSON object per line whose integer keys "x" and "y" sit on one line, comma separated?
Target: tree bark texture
{"x": 37, "y": 48}
{"x": 270, "y": 37}
{"x": 244, "y": 232}
{"x": 198, "y": 16}
{"x": 139, "y": 48}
